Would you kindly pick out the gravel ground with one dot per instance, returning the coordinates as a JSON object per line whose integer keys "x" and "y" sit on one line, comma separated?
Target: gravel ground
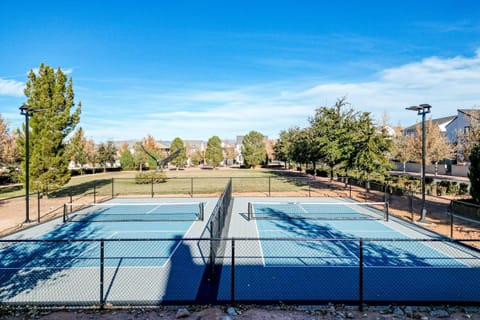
{"x": 251, "y": 312}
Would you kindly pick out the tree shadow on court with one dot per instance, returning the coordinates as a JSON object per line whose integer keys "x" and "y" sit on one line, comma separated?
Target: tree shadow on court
{"x": 333, "y": 242}
{"x": 28, "y": 265}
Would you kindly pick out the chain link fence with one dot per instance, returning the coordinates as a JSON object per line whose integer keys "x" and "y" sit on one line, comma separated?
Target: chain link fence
{"x": 150, "y": 272}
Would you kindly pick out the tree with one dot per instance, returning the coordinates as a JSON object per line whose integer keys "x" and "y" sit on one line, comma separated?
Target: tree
{"x": 230, "y": 153}
{"x": 50, "y": 92}
{"x": 283, "y": 148}
{"x": 253, "y": 149}
{"x": 441, "y": 148}
{"x": 8, "y": 149}
{"x": 76, "y": 149}
{"x": 106, "y": 154}
{"x": 403, "y": 147}
{"x": 436, "y": 145}
{"x": 370, "y": 148}
{"x": 91, "y": 152}
{"x": 180, "y": 160}
{"x": 333, "y": 132}
{"x": 140, "y": 157}
{"x": 302, "y": 146}
{"x": 468, "y": 139}
{"x": 127, "y": 161}
{"x": 474, "y": 173}
{"x": 214, "y": 153}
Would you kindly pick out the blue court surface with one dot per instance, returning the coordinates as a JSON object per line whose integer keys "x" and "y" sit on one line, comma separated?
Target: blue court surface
{"x": 312, "y": 252}
{"x": 137, "y": 270}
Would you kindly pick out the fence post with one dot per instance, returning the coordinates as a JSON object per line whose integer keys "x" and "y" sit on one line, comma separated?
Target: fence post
{"x": 309, "y": 190}
{"x": 269, "y": 186}
{"x": 191, "y": 187}
{"x": 451, "y": 224}
{"x": 411, "y": 202}
{"x": 350, "y": 185}
{"x": 212, "y": 253}
{"x": 38, "y": 206}
{"x": 102, "y": 268}
{"x": 233, "y": 273}
{"x": 152, "y": 187}
{"x": 94, "y": 193}
{"x": 70, "y": 195}
{"x": 113, "y": 190}
{"x": 360, "y": 284}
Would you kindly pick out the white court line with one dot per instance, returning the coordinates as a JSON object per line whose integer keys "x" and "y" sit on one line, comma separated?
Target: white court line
{"x": 259, "y": 242}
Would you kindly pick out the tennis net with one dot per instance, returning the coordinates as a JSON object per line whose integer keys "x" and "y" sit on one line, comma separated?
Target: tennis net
{"x": 125, "y": 212}
{"x": 318, "y": 211}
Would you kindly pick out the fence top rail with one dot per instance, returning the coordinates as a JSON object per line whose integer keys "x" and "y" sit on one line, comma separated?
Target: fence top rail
{"x": 241, "y": 239}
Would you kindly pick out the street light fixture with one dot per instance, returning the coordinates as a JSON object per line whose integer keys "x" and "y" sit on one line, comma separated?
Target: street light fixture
{"x": 27, "y": 111}
{"x": 422, "y": 110}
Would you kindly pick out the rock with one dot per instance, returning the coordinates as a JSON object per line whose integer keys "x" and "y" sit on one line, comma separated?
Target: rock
{"x": 340, "y": 315}
{"x": 398, "y": 312}
{"x": 226, "y": 318}
{"x": 182, "y": 313}
{"x": 231, "y": 311}
{"x": 350, "y": 315}
{"x": 439, "y": 313}
{"x": 408, "y": 311}
{"x": 424, "y": 318}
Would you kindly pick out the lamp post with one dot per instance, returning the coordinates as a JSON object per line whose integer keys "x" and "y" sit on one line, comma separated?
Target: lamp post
{"x": 27, "y": 111}
{"x": 422, "y": 110}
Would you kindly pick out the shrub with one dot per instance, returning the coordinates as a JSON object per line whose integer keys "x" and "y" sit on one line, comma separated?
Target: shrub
{"x": 463, "y": 188}
{"x": 149, "y": 177}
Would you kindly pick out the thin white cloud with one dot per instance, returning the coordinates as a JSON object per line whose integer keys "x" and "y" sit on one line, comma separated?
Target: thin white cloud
{"x": 11, "y": 88}
{"x": 226, "y": 110}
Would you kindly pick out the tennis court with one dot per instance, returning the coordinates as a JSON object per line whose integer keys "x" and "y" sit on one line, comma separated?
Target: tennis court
{"x": 133, "y": 242}
{"x": 328, "y": 249}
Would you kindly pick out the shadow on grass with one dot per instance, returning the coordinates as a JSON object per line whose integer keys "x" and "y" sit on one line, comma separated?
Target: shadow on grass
{"x": 79, "y": 188}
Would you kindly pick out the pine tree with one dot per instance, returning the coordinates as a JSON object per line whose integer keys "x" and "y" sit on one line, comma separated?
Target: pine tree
{"x": 253, "y": 149}
{"x": 51, "y": 93}
{"x": 214, "y": 153}
{"x": 180, "y": 160}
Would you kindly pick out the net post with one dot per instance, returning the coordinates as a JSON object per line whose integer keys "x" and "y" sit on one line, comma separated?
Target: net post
{"x": 202, "y": 211}
{"x": 102, "y": 269}
{"x": 250, "y": 211}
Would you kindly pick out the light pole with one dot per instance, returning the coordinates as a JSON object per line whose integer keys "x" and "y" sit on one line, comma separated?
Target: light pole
{"x": 27, "y": 111}
{"x": 422, "y": 110}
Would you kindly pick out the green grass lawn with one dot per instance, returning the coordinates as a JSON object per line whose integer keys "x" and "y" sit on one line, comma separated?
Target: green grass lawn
{"x": 181, "y": 182}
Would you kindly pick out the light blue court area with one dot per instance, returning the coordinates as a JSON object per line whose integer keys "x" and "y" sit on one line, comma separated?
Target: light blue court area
{"x": 318, "y": 251}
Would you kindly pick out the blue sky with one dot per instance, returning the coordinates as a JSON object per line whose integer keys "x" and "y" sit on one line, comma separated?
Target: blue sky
{"x": 194, "y": 69}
